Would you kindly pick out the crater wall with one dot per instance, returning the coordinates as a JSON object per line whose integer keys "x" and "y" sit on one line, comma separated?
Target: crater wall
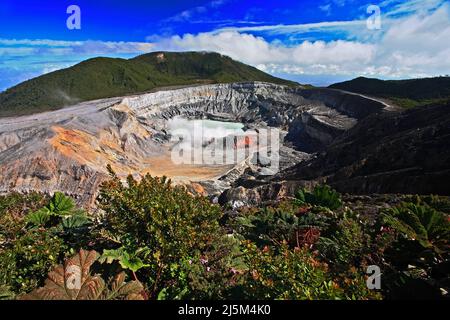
{"x": 68, "y": 150}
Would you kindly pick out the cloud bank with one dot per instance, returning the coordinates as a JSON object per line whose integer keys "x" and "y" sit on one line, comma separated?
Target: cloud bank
{"x": 413, "y": 42}
{"x": 414, "y": 46}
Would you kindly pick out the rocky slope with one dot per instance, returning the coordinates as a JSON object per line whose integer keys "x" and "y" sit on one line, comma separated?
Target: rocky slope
{"x": 405, "y": 152}
{"x": 390, "y": 152}
{"x": 68, "y": 149}
{"x": 405, "y": 93}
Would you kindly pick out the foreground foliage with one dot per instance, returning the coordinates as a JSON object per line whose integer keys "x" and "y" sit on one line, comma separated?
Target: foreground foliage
{"x": 164, "y": 225}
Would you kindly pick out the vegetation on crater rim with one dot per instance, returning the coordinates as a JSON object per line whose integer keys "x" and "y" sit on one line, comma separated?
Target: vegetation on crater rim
{"x": 156, "y": 241}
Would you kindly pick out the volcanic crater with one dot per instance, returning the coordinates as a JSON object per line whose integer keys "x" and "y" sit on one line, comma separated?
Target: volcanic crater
{"x": 69, "y": 149}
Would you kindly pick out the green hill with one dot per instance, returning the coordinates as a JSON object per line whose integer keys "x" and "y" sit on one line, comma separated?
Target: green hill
{"x": 107, "y": 77}
{"x": 405, "y": 93}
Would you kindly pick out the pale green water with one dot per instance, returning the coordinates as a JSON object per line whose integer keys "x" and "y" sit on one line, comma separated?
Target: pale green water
{"x": 206, "y": 128}
{"x": 220, "y": 124}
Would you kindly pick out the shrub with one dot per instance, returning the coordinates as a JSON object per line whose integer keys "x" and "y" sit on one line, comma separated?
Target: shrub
{"x": 173, "y": 246}
{"x": 13, "y": 207}
{"x": 35, "y": 238}
{"x": 216, "y": 274}
{"x": 419, "y": 254}
{"x": 174, "y": 226}
{"x": 275, "y": 225}
{"x": 17, "y": 204}
{"x": 26, "y": 261}
{"x": 346, "y": 246}
{"x": 438, "y": 203}
{"x": 296, "y": 274}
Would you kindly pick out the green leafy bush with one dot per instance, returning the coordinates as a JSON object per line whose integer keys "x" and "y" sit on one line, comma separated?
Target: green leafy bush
{"x": 36, "y": 238}
{"x": 284, "y": 223}
{"x": 13, "y": 207}
{"x": 17, "y": 204}
{"x": 438, "y": 203}
{"x": 177, "y": 246}
{"x": 166, "y": 219}
{"x": 25, "y": 262}
{"x": 296, "y": 274}
{"x": 418, "y": 254}
{"x": 346, "y": 246}
{"x": 216, "y": 273}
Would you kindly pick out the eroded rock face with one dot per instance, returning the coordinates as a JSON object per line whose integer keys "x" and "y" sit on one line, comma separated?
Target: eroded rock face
{"x": 68, "y": 150}
{"x": 405, "y": 152}
{"x": 388, "y": 153}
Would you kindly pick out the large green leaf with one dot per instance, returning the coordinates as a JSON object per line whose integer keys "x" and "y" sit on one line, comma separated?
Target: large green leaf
{"x": 75, "y": 222}
{"x": 61, "y": 204}
{"x": 420, "y": 223}
{"x": 38, "y": 218}
{"x": 127, "y": 260}
{"x": 322, "y": 196}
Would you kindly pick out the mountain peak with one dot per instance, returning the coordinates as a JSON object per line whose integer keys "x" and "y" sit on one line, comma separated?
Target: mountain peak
{"x": 102, "y": 77}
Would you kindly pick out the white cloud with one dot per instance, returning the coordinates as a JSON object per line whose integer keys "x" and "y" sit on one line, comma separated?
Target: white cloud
{"x": 11, "y": 46}
{"x": 413, "y": 46}
{"x": 326, "y": 8}
{"x": 37, "y": 42}
{"x": 401, "y": 7}
{"x": 297, "y": 28}
{"x": 309, "y": 57}
{"x": 188, "y": 14}
{"x": 22, "y": 59}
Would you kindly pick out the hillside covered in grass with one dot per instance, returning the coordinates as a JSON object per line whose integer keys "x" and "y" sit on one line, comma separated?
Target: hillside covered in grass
{"x": 404, "y": 93}
{"x": 107, "y": 77}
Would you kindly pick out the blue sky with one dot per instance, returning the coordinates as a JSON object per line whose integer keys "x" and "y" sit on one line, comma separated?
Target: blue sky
{"x": 134, "y": 20}
{"x": 309, "y": 41}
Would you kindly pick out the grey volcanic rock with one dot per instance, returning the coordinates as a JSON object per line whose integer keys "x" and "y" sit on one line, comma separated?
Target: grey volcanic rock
{"x": 317, "y": 128}
{"x": 68, "y": 149}
{"x": 402, "y": 153}
{"x": 405, "y": 152}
